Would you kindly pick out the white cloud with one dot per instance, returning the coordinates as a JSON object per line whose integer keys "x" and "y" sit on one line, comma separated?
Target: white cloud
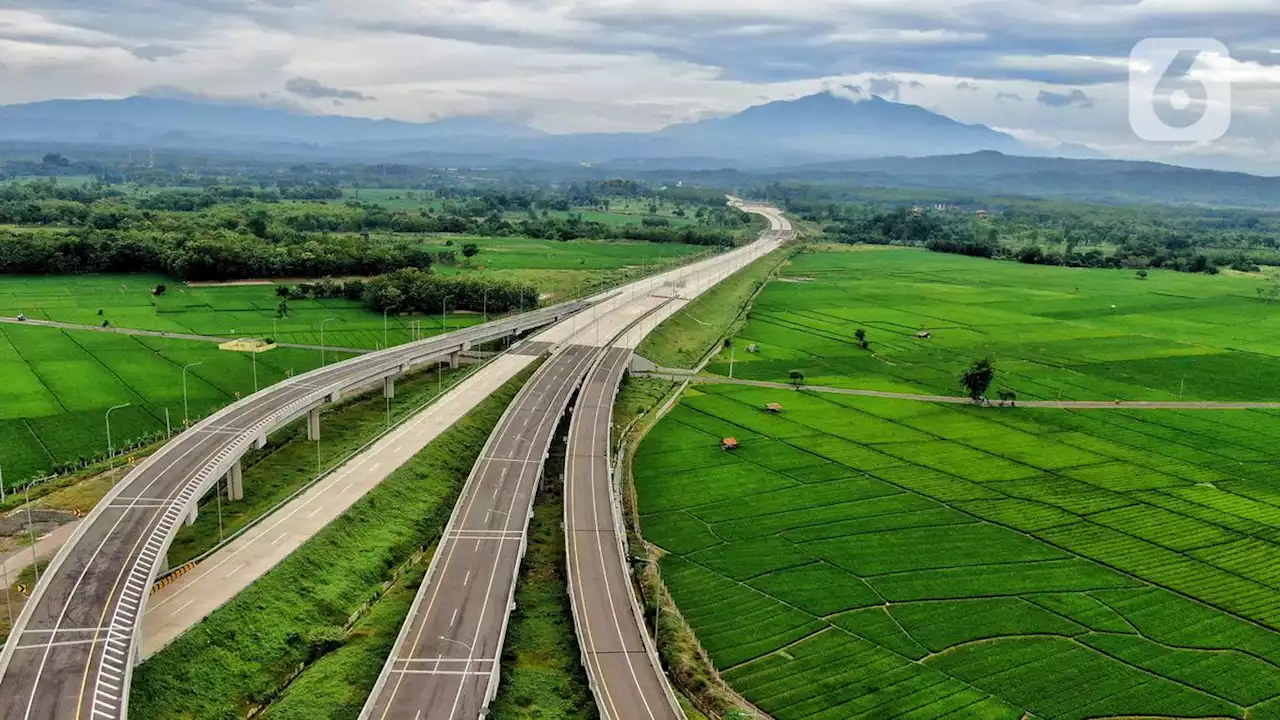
{"x": 579, "y": 65}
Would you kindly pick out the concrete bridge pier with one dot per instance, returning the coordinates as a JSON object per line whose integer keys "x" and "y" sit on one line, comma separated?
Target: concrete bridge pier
{"x": 313, "y": 424}
{"x": 235, "y": 482}
{"x": 389, "y": 387}
{"x": 195, "y": 513}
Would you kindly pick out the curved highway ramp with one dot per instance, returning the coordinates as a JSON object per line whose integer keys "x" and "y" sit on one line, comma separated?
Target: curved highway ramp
{"x": 71, "y": 652}
{"x": 621, "y": 661}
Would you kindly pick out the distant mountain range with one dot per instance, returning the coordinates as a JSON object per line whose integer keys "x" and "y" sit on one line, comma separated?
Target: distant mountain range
{"x": 810, "y": 129}
{"x": 823, "y": 138}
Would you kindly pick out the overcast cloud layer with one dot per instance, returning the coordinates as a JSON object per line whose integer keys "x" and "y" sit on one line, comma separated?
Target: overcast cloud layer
{"x": 1045, "y": 70}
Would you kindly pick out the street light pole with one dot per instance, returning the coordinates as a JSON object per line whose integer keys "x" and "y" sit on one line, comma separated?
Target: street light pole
{"x": 31, "y": 532}
{"x": 111, "y": 458}
{"x": 254, "y": 357}
{"x": 186, "y": 415}
{"x": 486, "y": 305}
{"x": 322, "y": 322}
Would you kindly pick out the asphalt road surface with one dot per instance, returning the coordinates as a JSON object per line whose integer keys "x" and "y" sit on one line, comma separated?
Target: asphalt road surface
{"x": 445, "y": 662}
{"x": 625, "y": 674}
{"x": 71, "y": 657}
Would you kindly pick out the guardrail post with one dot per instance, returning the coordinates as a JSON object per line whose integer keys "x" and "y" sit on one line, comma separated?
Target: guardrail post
{"x": 313, "y": 424}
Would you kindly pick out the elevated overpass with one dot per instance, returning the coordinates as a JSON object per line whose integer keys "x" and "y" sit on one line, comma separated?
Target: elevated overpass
{"x": 72, "y": 650}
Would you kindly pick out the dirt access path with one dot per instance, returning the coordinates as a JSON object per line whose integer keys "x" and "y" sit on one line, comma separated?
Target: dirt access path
{"x": 955, "y": 400}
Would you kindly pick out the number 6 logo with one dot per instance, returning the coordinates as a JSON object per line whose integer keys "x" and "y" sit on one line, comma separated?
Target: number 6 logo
{"x": 1179, "y": 90}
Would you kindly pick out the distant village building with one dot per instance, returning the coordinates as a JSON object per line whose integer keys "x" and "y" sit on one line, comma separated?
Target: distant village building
{"x": 729, "y": 443}
{"x": 774, "y": 408}
{"x": 924, "y": 335}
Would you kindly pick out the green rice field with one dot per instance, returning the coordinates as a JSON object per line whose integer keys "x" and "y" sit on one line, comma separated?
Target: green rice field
{"x": 58, "y": 384}
{"x": 878, "y": 558}
{"x": 251, "y": 310}
{"x": 1053, "y": 332}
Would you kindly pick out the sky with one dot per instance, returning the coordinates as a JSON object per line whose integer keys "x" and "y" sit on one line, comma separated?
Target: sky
{"x": 1046, "y": 71}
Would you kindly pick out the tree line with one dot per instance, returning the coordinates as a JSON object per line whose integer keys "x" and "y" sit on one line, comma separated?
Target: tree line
{"x": 415, "y": 290}
{"x": 991, "y": 236}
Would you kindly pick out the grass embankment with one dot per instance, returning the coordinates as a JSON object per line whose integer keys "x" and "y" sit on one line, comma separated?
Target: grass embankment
{"x": 685, "y": 338}
{"x": 300, "y": 615}
{"x": 289, "y": 461}
{"x": 542, "y": 673}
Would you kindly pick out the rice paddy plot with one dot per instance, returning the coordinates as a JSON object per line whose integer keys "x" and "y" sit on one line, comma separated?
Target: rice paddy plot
{"x": 56, "y": 387}
{"x": 1053, "y": 332}
{"x": 862, "y": 557}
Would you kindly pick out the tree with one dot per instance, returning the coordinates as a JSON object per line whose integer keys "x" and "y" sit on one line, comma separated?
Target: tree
{"x": 861, "y": 335}
{"x": 282, "y": 308}
{"x": 469, "y": 251}
{"x": 160, "y": 289}
{"x": 797, "y": 378}
{"x": 978, "y": 377}
{"x": 1142, "y": 274}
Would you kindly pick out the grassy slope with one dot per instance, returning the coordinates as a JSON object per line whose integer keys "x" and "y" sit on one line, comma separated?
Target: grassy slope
{"x": 683, "y": 340}
{"x": 289, "y": 461}
{"x": 244, "y": 654}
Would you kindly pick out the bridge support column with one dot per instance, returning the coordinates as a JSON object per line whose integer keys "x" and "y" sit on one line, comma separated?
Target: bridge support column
{"x": 195, "y": 513}
{"x": 454, "y": 359}
{"x": 235, "y": 482}
{"x": 313, "y": 425}
{"x": 389, "y": 387}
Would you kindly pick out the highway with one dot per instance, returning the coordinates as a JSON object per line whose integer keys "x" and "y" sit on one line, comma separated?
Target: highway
{"x": 621, "y": 661}
{"x": 72, "y": 650}
{"x": 445, "y": 662}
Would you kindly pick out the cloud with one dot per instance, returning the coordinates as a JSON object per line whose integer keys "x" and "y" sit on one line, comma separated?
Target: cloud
{"x": 1075, "y": 98}
{"x": 313, "y": 90}
{"x": 607, "y": 65}
{"x": 966, "y": 85}
{"x": 885, "y": 86}
{"x": 152, "y": 53}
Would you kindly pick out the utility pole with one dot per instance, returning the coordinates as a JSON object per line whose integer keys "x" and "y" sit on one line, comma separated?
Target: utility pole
{"x": 186, "y": 414}
{"x": 31, "y": 532}
{"x": 322, "y": 322}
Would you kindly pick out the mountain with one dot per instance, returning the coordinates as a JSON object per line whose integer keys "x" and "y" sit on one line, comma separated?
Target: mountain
{"x": 181, "y": 122}
{"x": 992, "y": 173}
{"x": 809, "y": 129}
{"x": 826, "y": 125}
